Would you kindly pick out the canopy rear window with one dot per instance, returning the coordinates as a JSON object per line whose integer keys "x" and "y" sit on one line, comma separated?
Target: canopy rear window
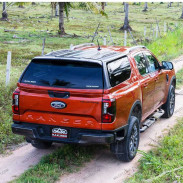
{"x": 64, "y": 74}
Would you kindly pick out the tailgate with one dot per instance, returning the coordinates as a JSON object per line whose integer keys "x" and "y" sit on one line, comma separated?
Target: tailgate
{"x": 77, "y": 104}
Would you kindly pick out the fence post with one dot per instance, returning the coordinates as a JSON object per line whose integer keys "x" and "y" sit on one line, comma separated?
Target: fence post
{"x": 71, "y": 47}
{"x": 105, "y": 42}
{"x": 156, "y": 31}
{"x": 125, "y": 37}
{"x": 158, "y": 27}
{"x": 144, "y": 31}
{"x": 176, "y": 24}
{"x": 111, "y": 40}
{"x": 132, "y": 37}
{"x": 165, "y": 27}
{"x": 153, "y": 32}
{"x": 8, "y": 67}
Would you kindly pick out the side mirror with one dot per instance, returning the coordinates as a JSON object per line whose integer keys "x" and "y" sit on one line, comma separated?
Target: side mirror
{"x": 167, "y": 65}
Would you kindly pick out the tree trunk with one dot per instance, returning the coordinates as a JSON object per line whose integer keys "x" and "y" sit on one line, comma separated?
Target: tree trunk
{"x": 145, "y": 7}
{"x": 124, "y": 6}
{"x": 182, "y": 13}
{"x": 56, "y": 9}
{"x": 61, "y": 18}
{"x": 126, "y": 25}
{"x": 170, "y": 4}
{"x": 4, "y": 14}
{"x": 103, "y": 5}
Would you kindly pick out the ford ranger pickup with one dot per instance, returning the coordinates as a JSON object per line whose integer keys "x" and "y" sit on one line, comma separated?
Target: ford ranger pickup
{"x": 93, "y": 95}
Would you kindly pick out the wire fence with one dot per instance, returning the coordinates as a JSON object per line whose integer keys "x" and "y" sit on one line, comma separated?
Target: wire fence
{"x": 149, "y": 34}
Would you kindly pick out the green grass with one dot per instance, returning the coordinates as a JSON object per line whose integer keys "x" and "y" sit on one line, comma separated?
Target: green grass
{"x": 64, "y": 160}
{"x": 7, "y": 138}
{"x": 166, "y": 158}
{"x": 179, "y": 76}
{"x": 169, "y": 46}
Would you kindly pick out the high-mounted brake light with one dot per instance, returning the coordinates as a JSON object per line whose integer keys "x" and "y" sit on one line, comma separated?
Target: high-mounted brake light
{"x": 108, "y": 110}
{"x": 15, "y": 102}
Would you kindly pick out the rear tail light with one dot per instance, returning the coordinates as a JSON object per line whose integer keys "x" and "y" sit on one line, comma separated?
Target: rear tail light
{"x": 108, "y": 110}
{"x": 15, "y": 102}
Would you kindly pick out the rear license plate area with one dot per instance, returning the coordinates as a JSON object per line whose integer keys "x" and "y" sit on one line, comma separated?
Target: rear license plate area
{"x": 60, "y": 132}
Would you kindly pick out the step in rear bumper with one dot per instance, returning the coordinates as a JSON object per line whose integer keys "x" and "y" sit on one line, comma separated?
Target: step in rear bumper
{"x": 80, "y": 136}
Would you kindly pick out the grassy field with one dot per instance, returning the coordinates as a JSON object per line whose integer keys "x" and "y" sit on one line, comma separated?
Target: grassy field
{"x": 31, "y": 24}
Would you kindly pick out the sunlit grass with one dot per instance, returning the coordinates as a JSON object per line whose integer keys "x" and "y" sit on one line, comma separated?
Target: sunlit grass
{"x": 169, "y": 46}
{"x": 66, "y": 159}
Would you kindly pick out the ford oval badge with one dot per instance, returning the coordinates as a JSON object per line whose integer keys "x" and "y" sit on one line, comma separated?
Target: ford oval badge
{"x": 58, "y": 105}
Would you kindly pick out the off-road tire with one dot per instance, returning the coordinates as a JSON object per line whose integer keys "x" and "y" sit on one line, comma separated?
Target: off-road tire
{"x": 126, "y": 150}
{"x": 169, "y": 106}
{"x": 41, "y": 144}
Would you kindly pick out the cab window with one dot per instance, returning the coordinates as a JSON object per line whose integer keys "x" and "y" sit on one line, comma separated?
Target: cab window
{"x": 141, "y": 63}
{"x": 152, "y": 63}
{"x": 119, "y": 71}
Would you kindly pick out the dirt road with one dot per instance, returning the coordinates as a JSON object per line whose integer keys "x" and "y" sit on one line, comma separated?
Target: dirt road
{"x": 20, "y": 160}
{"x": 104, "y": 168}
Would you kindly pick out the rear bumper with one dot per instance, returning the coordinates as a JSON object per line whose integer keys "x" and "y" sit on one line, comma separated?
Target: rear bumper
{"x": 81, "y": 136}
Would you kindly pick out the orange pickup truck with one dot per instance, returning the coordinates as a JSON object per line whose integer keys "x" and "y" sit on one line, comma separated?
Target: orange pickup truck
{"x": 90, "y": 94}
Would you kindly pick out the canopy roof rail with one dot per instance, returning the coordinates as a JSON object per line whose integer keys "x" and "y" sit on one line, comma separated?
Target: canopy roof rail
{"x": 135, "y": 47}
{"x": 81, "y": 45}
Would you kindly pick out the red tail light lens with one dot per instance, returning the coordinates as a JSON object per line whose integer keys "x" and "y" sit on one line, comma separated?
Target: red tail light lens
{"x": 15, "y": 102}
{"x": 108, "y": 110}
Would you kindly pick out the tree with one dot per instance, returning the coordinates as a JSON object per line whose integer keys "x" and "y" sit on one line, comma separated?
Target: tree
{"x": 4, "y": 13}
{"x": 56, "y": 9}
{"x": 169, "y": 4}
{"x": 103, "y": 5}
{"x": 66, "y": 6}
{"x": 145, "y": 7}
{"x": 61, "y": 18}
{"x": 126, "y": 25}
{"x": 54, "y": 6}
{"x": 182, "y": 13}
{"x": 124, "y": 4}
